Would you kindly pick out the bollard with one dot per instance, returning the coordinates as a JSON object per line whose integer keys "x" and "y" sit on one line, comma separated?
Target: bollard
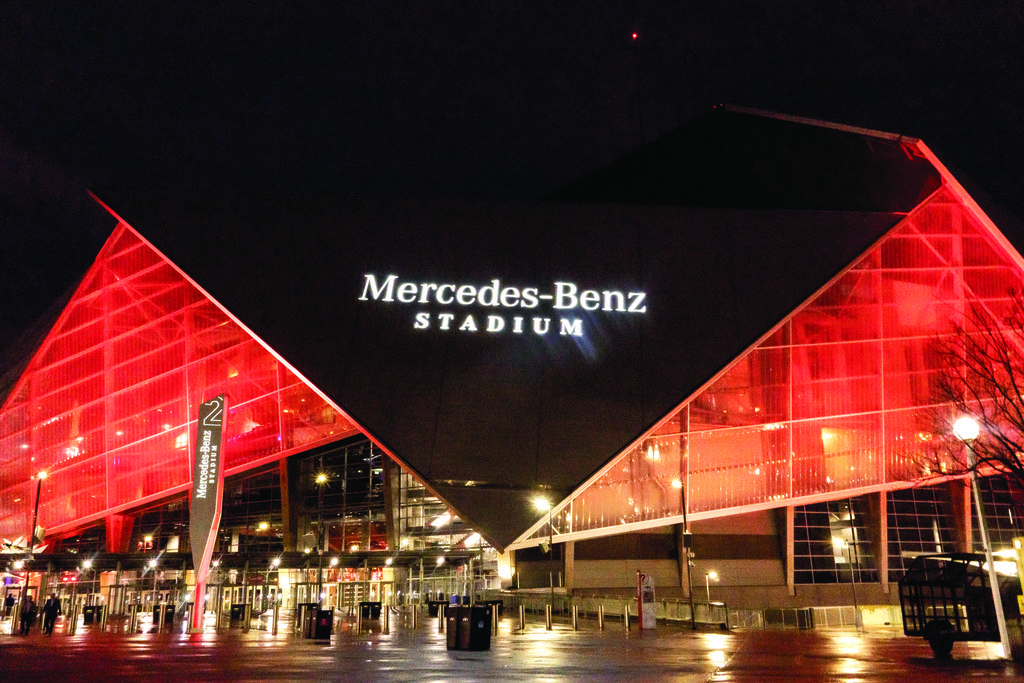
{"x": 575, "y": 618}
{"x": 103, "y": 618}
{"x": 359, "y": 620}
{"x": 414, "y": 614}
{"x": 600, "y": 617}
{"x": 16, "y": 618}
{"x": 385, "y": 614}
{"x": 547, "y": 617}
{"x": 246, "y": 618}
{"x": 277, "y": 614}
{"x": 72, "y": 620}
{"x": 440, "y": 618}
{"x": 160, "y": 617}
{"x": 625, "y": 616}
{"x": 522, "y": 617}
{"x": 133, "y": 618}
{"x": 494, "y": 618}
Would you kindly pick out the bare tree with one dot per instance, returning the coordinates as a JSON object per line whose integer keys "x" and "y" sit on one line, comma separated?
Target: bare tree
{"x": 981, "y": 374}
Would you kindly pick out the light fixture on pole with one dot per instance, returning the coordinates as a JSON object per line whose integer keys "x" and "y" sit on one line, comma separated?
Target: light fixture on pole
{"x": 543, "y": 504}
{"x": 321, "y": 480}
{"x": 846, "y": 550}
{"x": 40, "y": 478}
{"x": 708, "y": 578}
{"x": 966, "y": 429}
{"x": 152, "y": 567}
{"x": 86, "y": 566}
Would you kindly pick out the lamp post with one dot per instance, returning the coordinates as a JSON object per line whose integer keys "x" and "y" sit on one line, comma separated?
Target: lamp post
{"x": 86, "y": 566}
{"x": 845, "y": 548}
{"x": 152, "y": 567}
{"x": 966, "y": 429}
{"x": 321, "y": 479}
{"x": 274, "y": 564}
{"x": 685, "y": 551}
{"x": 544, "y": 504}
{"x": 40, "y": 477}
{"x": 708, "y": 578}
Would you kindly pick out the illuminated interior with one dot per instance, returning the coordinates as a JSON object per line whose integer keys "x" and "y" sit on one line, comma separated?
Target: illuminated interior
{"x": 839, "y": 397}
{"x": 107, "y": 405}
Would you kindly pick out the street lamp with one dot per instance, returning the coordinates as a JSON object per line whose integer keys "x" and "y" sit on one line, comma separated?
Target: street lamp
{"x": 86, "y": 566}
{"x": 966, "y": 429}
{"x": 844, "y": 547}
{"x": 40, "y": 477}
{"x": 274, "y": 564}
{"x": 543, "y": 504}
{"x": 321, "y": 479}
{"x": 685, "y": 551}
{"x": 708, "y": 578}
{"x": 152, "y": 567}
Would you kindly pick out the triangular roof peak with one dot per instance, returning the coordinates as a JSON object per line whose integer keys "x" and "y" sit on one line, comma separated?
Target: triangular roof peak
{"x": 817, "y": 122}
{"x": 736, "y": 158}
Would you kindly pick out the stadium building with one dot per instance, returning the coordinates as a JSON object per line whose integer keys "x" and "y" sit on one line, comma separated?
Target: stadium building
{"x": 713, "y": 357}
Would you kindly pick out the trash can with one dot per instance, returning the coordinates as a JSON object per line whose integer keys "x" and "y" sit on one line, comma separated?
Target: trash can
{"x": 325, "y": 624}
{"x": 168, "y": 614}
{"x": 477, "y": 624}
{"x": 433, "y": 606}
{"x": 453, "y": 620}
{"x": 237, "y": 614}
{"x": 88, "y": 614}
{"x": 369, "y": 610}
{"x": 469, "y": 628}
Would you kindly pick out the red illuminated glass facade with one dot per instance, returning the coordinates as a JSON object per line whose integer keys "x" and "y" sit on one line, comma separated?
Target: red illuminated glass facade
{"x": 837, "y": 400}
{"x": 107, "y": 405}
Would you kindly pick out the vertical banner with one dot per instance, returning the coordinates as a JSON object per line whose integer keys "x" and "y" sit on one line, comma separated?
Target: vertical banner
{"x": 645, "y": 609}
{"x": 206, "y": 504}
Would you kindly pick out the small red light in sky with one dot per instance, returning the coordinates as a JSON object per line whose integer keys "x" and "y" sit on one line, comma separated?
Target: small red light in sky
{"x": 634, "y": 36}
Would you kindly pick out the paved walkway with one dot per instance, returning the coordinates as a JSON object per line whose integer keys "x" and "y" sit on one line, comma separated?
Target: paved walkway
{"x": 670, "y": 653}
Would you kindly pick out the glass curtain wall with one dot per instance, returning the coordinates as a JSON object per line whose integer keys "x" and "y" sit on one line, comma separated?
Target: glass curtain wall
{"x": 107, "y": 405}
{"x": 838, "y": 397}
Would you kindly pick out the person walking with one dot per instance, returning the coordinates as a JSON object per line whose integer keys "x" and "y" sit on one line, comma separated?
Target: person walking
{"x": 28, "y": 615}
{"x": 8, "y": 604}
{"x": 51, "y": 610}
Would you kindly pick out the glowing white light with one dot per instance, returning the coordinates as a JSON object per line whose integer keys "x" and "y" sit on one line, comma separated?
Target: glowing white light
{"x": 966, "y": 428}
{"x": 472, "y": 539}
{"x": 441, "y": 521}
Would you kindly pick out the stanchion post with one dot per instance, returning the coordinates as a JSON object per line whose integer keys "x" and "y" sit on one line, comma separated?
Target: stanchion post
{"x": 415, "y": 615}
{"x": 277, "y": 614}
{"x": 359, "y": 619}
{"x": 104, "y": 609}
{"x": 547, "y": 617}
{"x": 522, "y": 617}
{"x": 440, "y": 617}
{"x": 494, "y": 618}
{"x": 575, "y": 617}
{"x": 600, "y": 617}
{"x": 625, "y": 616}
{"x": 385, "y": 613}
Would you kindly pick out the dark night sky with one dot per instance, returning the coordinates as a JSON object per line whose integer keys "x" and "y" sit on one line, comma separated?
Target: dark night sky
{"x": 463, "y": 99}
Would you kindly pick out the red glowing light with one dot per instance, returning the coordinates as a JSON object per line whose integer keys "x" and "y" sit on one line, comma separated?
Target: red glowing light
{"x": 634, "y": 36}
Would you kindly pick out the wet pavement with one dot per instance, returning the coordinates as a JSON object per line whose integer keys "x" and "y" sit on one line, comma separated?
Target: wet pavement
{"x": 535, "y": 654}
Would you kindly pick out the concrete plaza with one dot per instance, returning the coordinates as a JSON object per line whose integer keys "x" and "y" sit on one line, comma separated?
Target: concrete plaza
{"x": 672, "y": 652}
